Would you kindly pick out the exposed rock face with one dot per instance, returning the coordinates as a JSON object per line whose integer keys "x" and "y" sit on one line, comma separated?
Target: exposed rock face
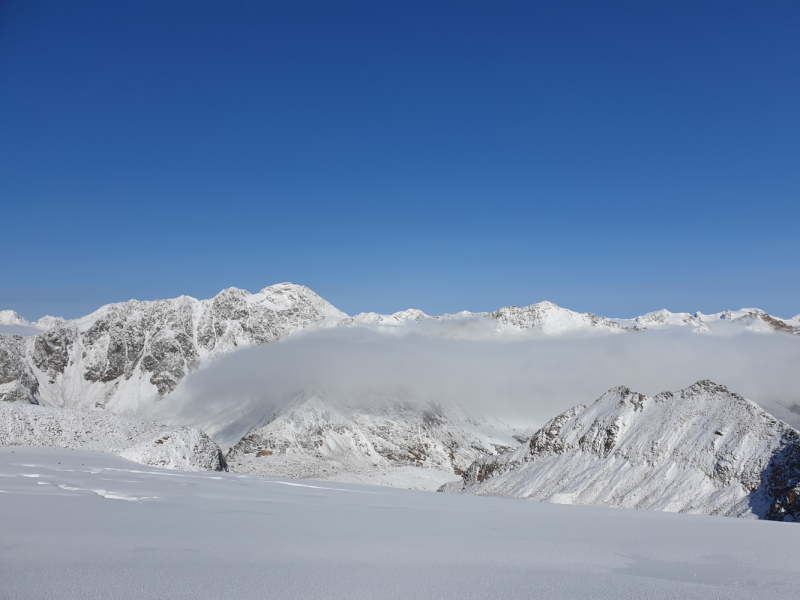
{"x": 156, "y": 335}
{"x": 391, "y": 441}
{"x": 182, "y": 448}
{"x": 126, "y": 352}
{"x": 17, "y": 382}
{"x": 51, "y": 350}
{"x": 703, "y": 449}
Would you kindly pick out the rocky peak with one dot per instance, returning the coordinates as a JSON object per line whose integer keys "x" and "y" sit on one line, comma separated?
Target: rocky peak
{"x": 701, "y": 449}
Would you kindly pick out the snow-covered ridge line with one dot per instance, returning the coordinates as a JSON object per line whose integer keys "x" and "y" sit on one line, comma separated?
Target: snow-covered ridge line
{"x": 751, "y": 318}
{"x": 702, "y": 449}
{"x": 551, "y": 319}
{"x": 154, "y": 444}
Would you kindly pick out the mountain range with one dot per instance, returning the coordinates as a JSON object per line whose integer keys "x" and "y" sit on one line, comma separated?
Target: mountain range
{"x": 703, "y": 449}
{"x": 126, "y": 353}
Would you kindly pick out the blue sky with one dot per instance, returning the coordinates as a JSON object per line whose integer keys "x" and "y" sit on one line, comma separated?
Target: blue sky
{"x": 610, "y": 157}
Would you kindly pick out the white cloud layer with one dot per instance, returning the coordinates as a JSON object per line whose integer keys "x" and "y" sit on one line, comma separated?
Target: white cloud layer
{"x": 517, "y": 378}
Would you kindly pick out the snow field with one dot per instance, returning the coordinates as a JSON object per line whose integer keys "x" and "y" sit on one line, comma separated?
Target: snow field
{"x": 97, "y": 526}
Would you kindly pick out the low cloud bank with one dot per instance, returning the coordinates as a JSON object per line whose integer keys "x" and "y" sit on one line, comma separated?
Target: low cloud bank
{"x": 518, "y": 379}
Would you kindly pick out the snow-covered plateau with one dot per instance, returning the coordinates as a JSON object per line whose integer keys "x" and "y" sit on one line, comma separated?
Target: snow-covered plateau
{"x": 81, "y": 524}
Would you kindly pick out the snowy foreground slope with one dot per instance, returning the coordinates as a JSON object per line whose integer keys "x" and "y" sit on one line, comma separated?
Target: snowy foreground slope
{"x": 699, "y": 450}
{"x": 147, "y": 443}
{"x": 384, "y": 441}
{"x": 97, "y": 526}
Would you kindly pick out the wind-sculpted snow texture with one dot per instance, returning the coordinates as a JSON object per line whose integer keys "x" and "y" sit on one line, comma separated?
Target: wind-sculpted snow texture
{"x": 700, "y": 450}
{"x": 126, "y": 353}
{"x": 182, "y": 448}
{"x": 388, "y": 441}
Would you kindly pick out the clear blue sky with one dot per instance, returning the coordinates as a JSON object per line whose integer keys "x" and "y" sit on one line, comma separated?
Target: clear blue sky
{"x": 610, "y": 157}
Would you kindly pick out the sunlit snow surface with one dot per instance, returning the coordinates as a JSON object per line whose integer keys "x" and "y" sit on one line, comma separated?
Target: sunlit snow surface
{"x": 98, "y": 526}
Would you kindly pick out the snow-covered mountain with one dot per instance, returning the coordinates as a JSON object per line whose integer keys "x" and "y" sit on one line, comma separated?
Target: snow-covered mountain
{"x": 544, "y": 317}
{"x": 128, "y": 358}
{"x": 389, "y": 441}
{"x": 753, "y": 319}
{"x": 154, "y": 444}
{"x": 703, "y": 449}
{"x": 126, "y": 353}
{"x": 10, "y": 317}
{"x": 549, "y": 319}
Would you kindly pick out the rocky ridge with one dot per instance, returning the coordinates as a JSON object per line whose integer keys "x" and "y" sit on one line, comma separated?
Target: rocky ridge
{"x": 703, "y": 450}
{"x": 126, "y": 353}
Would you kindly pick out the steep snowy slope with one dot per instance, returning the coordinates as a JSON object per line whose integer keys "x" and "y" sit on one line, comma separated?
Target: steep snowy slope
{"x": 147, "y": 443}
{"x": 124, "y": 354}
{"x": 388, "y": 441}
{"x": 700, "y": 450}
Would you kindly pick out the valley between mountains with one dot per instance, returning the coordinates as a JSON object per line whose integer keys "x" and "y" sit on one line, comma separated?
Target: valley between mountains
{"x": 250, "y": 383}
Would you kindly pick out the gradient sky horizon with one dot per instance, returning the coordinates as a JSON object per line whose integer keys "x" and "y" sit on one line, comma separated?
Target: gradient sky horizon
{"x": 612, "y": 157}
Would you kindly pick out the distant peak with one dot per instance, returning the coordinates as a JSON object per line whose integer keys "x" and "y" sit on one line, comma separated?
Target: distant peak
{"x": 11, "y": 317}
